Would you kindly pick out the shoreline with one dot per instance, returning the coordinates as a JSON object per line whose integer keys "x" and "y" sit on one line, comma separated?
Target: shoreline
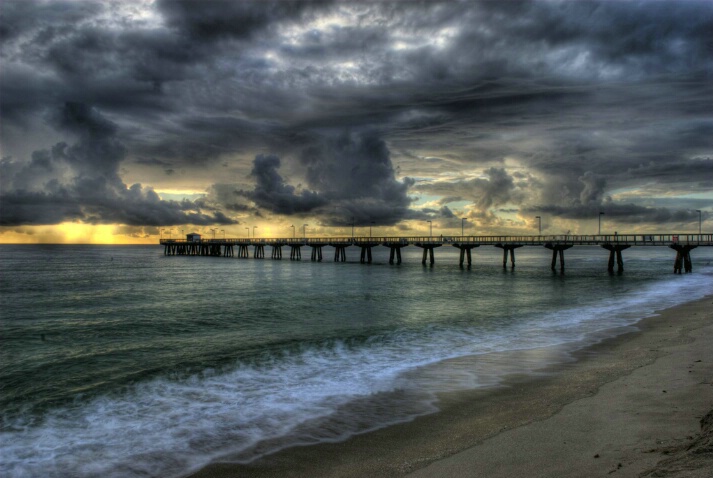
{"x": 624, "y": 404}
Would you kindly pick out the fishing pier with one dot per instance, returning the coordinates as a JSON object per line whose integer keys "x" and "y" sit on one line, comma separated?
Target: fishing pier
{"x": 682, "y": 244}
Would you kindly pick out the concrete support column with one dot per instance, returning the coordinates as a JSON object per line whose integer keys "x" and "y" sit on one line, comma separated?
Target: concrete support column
{"x": 316, "y": 253}
{"x": 365, "y": 257}
{"x": 557, "y": 250}
{"x": 465, "y": 253}
{"x": 340, "y": 253}
{"x": 615, "y": 252}
{"x": 683, "y": 258}
{"x": 508, "y": 248}
{"x": 395, "y": 252}
{"x": 428, "y": 254}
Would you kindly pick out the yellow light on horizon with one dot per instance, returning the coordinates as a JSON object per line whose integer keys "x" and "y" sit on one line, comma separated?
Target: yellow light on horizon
{"x": 70, "y": 233}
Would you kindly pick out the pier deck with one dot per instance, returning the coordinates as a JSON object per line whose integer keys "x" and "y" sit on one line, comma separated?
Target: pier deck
{"x": 615, "y": 244}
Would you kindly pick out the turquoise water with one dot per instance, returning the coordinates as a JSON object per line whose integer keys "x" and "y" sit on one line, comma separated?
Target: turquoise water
{"x": 120, "y": 361}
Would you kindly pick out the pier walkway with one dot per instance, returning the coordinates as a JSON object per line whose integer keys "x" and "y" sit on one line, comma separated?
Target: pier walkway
{"x": 615, "y": 244}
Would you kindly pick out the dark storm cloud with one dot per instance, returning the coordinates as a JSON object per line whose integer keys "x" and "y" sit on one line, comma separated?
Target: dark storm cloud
{"x": 349, "y": 173}
{"x": 354, "y": 171}
{"x": 586, "y": 97}
{"x": 594, "y": 188}
{"x": 80, "y": 182}
{"x": 495, "y": 188}
{"x": 625, "y": 213}
{"x": 19, "y": 17}
{"x": 695, "y": 172}
{"x": 272, "y": 193}
{"x": 217, "y": 19}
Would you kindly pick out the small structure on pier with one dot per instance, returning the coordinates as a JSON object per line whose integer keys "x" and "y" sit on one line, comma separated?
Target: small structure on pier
{"x": 193, "y": 237}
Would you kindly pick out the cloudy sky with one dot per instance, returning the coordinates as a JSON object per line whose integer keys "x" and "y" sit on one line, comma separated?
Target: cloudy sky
{"x": 124, "y": 120}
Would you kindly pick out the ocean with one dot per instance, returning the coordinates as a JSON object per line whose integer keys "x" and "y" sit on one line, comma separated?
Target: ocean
{"x": 118, "y": 361}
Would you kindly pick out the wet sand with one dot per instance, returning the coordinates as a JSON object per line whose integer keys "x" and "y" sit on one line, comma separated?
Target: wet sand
{"x": 628, "y": 406}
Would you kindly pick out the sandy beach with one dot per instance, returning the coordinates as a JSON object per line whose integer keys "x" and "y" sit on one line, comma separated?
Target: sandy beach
{"x": 636, "y": 405}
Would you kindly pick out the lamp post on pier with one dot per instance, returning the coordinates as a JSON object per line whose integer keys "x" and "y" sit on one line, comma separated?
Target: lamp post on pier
{"x": 293, "y": 231}
{"x": 600, "y": 222}
{"x": 430, "y": 229}
{"x": 539, "y": 225}
{"x": 222, "y": 230}
{"x": 699, "y": 221}
{"x": 304, "y": 230}
{"x": 462, "y": 222}
{"x": 248, "y": 229}
{"x": 254, "y": 227}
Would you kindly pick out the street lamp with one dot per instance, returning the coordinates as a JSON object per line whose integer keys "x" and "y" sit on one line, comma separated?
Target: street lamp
{"x": 213, "y": 231}
{"x": 293, "y": 231}
{"x": 600, "y": 222}
{"x": 430, "y": 226}
{"x": 539, "y": 226}
{"x": 462, "y": 222}
{"x": 222, "y": 230}
{"x": 254, "y": 227}
{"x": 699, "y": 221}
{"x": 304, "y": 230}
{"x": 248, "y": 232}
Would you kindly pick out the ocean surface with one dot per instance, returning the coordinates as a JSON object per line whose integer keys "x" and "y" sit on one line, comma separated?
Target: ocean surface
{"x": 118, "y": 361}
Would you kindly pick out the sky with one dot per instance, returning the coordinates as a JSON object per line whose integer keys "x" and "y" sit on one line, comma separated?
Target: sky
{"x": 127, "y": 121}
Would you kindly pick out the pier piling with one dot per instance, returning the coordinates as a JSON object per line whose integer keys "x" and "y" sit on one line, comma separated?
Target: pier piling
{"x": 340, "y": 253}
{"x": 615, "y": 250}
{"x": 365, "y": 257}
{"x": 465, "y": 253}
{"x": 428, "y": 250}
{"x": 428, "y": 247}
{"x": 511, "y": 249}
{"x": 395, "y": 251}
{"x": 683, "y": 258}
{"x": 557, "y": 249}
{"x": 316, "y": 253}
